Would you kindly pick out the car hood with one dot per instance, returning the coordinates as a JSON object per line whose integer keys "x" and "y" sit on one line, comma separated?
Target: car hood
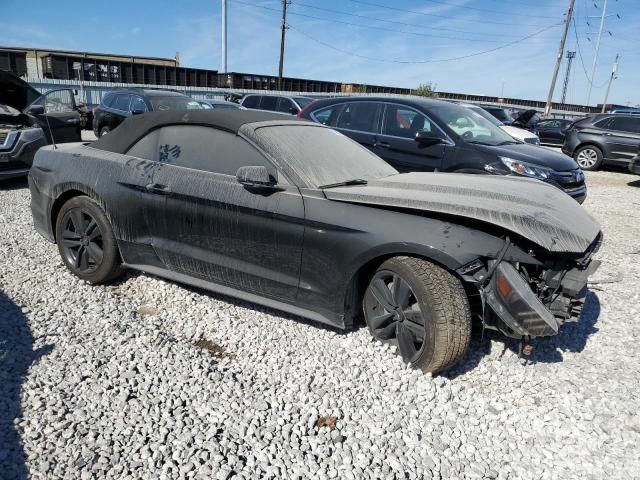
{"x": 535, "y": 154}
{"x": 532, "y": 209}
{"x": 15, "y": 92}
{"x": 13, "y": 117}
{"x": 519, "y": 133}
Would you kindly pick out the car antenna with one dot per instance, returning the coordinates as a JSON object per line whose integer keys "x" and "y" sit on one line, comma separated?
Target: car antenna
{"x": 53, "y": 140}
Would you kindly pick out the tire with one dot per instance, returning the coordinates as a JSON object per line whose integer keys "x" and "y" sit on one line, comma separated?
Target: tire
{"x": 435, "y": 312}
{"x": 104, "y": 131}
{"x": 588, "y": 157}
{"x": 86, "y": 242}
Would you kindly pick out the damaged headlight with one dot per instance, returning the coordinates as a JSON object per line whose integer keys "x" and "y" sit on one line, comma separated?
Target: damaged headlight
{"x": 31, "y": 134}
{"x": 526, "y": 169}
{"x": 511, "y": 298}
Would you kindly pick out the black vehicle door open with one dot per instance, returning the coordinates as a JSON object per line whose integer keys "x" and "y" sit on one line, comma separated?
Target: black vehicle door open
{"x": 360, "y": 121}
{"x": 204, "y": 223}
{"x": 397, "y": 144}
{"x": 56, "y": 113}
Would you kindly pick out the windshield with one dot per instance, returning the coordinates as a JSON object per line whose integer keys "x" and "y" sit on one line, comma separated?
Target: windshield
{"x": 174, "y": 102}
{"x": 487, "y": 116}
{"x": 471, "y": 126}
{"x": 303, "y": 101}
{"x": 319, "y": 155}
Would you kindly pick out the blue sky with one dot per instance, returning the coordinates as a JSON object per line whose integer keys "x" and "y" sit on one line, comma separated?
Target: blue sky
{"x": 361, "y": 41}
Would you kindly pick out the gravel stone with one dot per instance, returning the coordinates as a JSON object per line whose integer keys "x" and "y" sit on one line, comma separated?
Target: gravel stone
{"x": 108, "y": 382}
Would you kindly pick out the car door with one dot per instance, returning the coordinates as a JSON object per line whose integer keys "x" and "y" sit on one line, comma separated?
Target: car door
{"x": 622, "y": 138}
{"x": 286, "y": 105}
{"x": 119, "y": 110}
{"x": 543, "y": 130}
{"x": 56, "y": 113}
{"x": 360, "y": 121}
{"x": 397, "y": 144}
{"x": 204, "y": 223}
{"x": 269, "y": 103}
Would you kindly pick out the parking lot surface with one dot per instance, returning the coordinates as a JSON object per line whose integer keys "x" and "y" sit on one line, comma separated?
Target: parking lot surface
{"x": 149, "y": 379}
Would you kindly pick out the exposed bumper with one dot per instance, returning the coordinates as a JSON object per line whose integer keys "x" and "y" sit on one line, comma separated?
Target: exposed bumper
{"x": 634, "y": 166}
{"x": 523, "y": 313}
{"x": 16, "y": 160}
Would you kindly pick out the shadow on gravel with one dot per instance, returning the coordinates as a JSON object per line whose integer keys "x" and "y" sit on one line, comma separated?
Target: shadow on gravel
{"x": 16, "y": 355}
{"x": 14, "y": 183}
{"x": 571, "y": 338}
{"x": 634, "y": 183}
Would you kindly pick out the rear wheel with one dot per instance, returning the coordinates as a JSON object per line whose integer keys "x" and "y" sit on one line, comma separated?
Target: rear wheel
{"x": 422, "y": 309}
{"x": 86, "y": 242}
{"x": 589, "y": 157}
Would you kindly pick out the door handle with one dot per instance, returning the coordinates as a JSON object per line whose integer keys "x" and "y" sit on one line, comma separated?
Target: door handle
{"x": 382, "y": 144}
{"x": 158, "y": 188}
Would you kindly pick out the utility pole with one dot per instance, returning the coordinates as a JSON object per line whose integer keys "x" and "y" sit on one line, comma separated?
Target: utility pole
{"x": 224, "y": 36}
{"x": 282, "y": 33}
{"x": 570, "y": 57}
{"x": 552, "y": 87}
{"x": 595, "y": 57}
{"x": 611, "y": 79}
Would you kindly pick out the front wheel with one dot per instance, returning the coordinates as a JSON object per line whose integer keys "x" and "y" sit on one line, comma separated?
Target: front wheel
{"x": 589, "y": 157}
{"x": 86, "y": 242}
{"x": 422, "y": 309}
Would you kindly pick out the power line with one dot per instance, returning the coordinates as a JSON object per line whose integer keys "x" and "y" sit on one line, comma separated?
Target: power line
{"x": 331, "y": 20}
{"x": 415, "y": 12}
{"x": 584, "y": 69}
{"x": 306, "y": 5}
{"x": 462, "y": 57}
{"x": 440, "y": 2}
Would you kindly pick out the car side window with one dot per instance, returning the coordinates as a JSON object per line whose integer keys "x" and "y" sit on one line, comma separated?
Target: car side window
{"x": 625, "y": 124}
{"x": 360, "y": 116}
{"x": 285, "y": 105}
{"x": 108, "y": 99}
{"x": 251, "y": 101}
{"x": 137, "y": 104}
{"x": 269, "y": 103}
{"x": 121, "y": 102}
{"x": 328, "y": 115}
{"x": 60, "y": 101}
{"x": 405, "y": 122}
{"x": 200, "y": 148}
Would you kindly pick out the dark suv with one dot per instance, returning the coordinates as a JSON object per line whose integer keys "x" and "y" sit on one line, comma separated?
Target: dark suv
{"x": 603, "y": 139}
{"x": 120, "y": 104}
{"x": 434, "y": 135}
{"x": 276, "y": 103}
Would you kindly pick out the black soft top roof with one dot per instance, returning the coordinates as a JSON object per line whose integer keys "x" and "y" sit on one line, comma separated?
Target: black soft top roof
{"x": 135, "y": 127}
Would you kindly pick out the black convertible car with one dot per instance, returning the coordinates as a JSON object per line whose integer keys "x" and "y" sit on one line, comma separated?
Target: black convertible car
{"x": 296, "y": 216}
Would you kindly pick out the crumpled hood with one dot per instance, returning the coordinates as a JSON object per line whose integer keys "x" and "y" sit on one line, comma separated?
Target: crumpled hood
{"x": 532, "y": 209}
{"x": 15, "y": 92}
{"x": 11, "y": 116}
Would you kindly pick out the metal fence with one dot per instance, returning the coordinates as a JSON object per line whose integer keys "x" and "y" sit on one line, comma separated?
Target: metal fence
{"x": 92, "y": 93}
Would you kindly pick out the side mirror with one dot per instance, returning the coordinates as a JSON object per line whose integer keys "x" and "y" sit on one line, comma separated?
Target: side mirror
{"x": 427, "y": 139}
{"x": 255, "y": 176}
{"x": 36, "y": 110}
{"x": 137, "y": 112}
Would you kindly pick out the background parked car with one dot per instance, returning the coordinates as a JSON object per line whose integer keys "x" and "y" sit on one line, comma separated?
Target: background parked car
{"x": 434, "y": 135}
{"x": 29, "y": 120}
{"x": 603, "y": 139}
{"x": 518, "y": 133}
{"x": 211, "y": 104}
{"x": 121, "y": 104}
{"x": 276, "y": 103}
{"x": 551, "y": 131}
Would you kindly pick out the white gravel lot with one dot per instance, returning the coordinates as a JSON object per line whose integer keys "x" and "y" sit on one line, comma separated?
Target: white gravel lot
{"x": 149, "y": 379}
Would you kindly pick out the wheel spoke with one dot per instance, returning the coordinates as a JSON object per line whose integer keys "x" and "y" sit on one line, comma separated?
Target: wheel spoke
{"x": 381, "y": 321}
{"x": 70, "y": 243}
{"x": 388, "y": 332}
{"x": 78, "y": 257}
{"x": 91, "y": 228}
{"x": 77, "y": 220}
{"x": 405, "y": 342}
{"x": 69, "y": 235}
{"x": 84, "y": 259}
{"x": 416, "y": 326}
{"x": 401, "y": 292}
{"x": 382, "y": 294}
{"x": 95, "y": 252}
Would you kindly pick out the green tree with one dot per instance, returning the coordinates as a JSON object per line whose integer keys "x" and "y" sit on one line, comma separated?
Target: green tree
{"x": 426, "y": 89}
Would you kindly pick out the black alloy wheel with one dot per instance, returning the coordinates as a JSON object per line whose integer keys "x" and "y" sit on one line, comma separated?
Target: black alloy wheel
{"x": 81, "y": 241}
{"x": 395, "y": 314}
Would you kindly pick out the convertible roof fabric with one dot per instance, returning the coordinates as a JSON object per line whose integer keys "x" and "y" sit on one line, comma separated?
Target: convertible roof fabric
{"x": 135, "y": 127}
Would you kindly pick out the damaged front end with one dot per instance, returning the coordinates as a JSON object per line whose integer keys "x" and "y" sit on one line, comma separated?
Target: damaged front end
{"x": 528, "y": 299}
